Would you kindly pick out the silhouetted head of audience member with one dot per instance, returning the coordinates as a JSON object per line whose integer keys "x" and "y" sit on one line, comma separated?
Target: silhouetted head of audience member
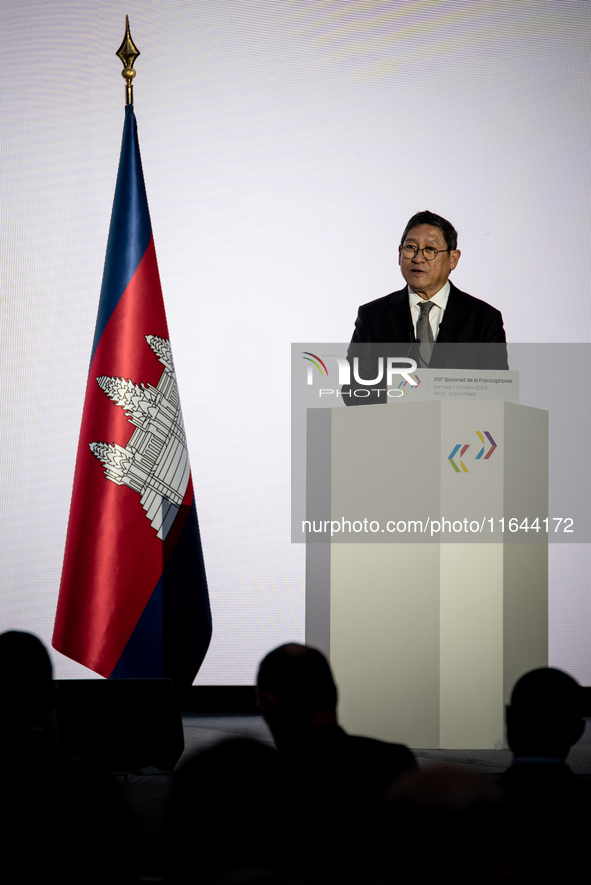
{"x": 26, "y": 692}
{"x": 296, "y": 691}
{"x": 545, "y": 717}
{"x": 224, "y": 814}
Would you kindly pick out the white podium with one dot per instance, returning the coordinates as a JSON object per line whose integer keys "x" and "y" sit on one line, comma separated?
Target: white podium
{"x": 428, "y": 631}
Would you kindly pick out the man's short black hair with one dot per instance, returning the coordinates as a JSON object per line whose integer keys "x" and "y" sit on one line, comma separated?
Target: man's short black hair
{"x": 547, "y": 691}
{"x": 545, "y": 717}
{"x": 449, "y": 232}
{"x": 299, "y": 677}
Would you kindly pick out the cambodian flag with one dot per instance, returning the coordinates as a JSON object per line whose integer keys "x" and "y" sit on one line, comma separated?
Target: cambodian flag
{"x": 133, "y": 599}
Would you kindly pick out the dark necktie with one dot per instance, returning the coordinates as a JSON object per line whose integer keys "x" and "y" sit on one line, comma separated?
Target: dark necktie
{"x": 425, "y": 333}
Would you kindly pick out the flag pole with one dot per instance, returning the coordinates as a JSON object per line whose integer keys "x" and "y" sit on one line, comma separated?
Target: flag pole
{"x": 128, "y": 52}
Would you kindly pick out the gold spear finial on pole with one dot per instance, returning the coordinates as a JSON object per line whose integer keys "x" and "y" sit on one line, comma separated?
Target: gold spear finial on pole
{"x": 128, "y": 52}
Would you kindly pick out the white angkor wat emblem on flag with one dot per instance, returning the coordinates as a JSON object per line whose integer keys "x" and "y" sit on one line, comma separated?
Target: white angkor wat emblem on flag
{"x": 155, "y": 461}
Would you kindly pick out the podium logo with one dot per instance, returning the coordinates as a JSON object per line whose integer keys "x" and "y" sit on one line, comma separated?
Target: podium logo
{"x": 403, "y": 384}
{"x": 462, "y": 448}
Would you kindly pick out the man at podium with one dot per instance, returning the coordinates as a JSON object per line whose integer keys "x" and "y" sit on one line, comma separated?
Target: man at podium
{"x": 430, "y": 319}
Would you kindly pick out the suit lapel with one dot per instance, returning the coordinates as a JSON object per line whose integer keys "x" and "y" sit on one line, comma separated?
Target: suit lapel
{"x": 454, "y": 319}
{"x": 399, "y": 316}
{"x": 455, "y": 316}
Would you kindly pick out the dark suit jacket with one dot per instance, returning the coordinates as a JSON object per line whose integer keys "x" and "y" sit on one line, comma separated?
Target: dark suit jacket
{"x": 471, "y": 334}
{"x": 547, "y": 818}
{"x": 335, "y": 784}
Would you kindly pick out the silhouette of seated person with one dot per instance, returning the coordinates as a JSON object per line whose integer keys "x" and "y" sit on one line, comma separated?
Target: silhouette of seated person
{"x": 335, "y": 781}
{"x": 27, "y": 700}
{"x": 222, "y": 819}
{"x": 55, "y": 819}
{"x": 31, "y": 776}
{"x": 548, "y": 806}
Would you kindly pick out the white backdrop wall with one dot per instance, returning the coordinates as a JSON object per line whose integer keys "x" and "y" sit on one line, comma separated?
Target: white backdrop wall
{"x": 285, "y": 145}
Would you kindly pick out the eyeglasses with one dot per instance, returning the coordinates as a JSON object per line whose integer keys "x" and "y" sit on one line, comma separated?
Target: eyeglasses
{"x": 428, "y": 252}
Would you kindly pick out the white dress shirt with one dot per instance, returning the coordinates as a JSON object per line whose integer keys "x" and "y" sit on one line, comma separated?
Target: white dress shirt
{"x": 439, "y": 302}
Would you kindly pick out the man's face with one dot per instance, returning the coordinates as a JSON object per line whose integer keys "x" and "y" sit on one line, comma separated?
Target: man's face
{"x": 424, "y": 277}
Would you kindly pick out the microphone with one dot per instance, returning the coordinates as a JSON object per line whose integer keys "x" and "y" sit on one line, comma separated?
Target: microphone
{"x": 411, "y": 337}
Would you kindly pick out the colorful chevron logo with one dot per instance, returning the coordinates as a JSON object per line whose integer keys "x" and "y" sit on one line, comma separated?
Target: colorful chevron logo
{"x": 462, "y": 448}
{"x": 403, "y": 384}
{"x": 451, "y": 457}
{"x": 493, "y": 445}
